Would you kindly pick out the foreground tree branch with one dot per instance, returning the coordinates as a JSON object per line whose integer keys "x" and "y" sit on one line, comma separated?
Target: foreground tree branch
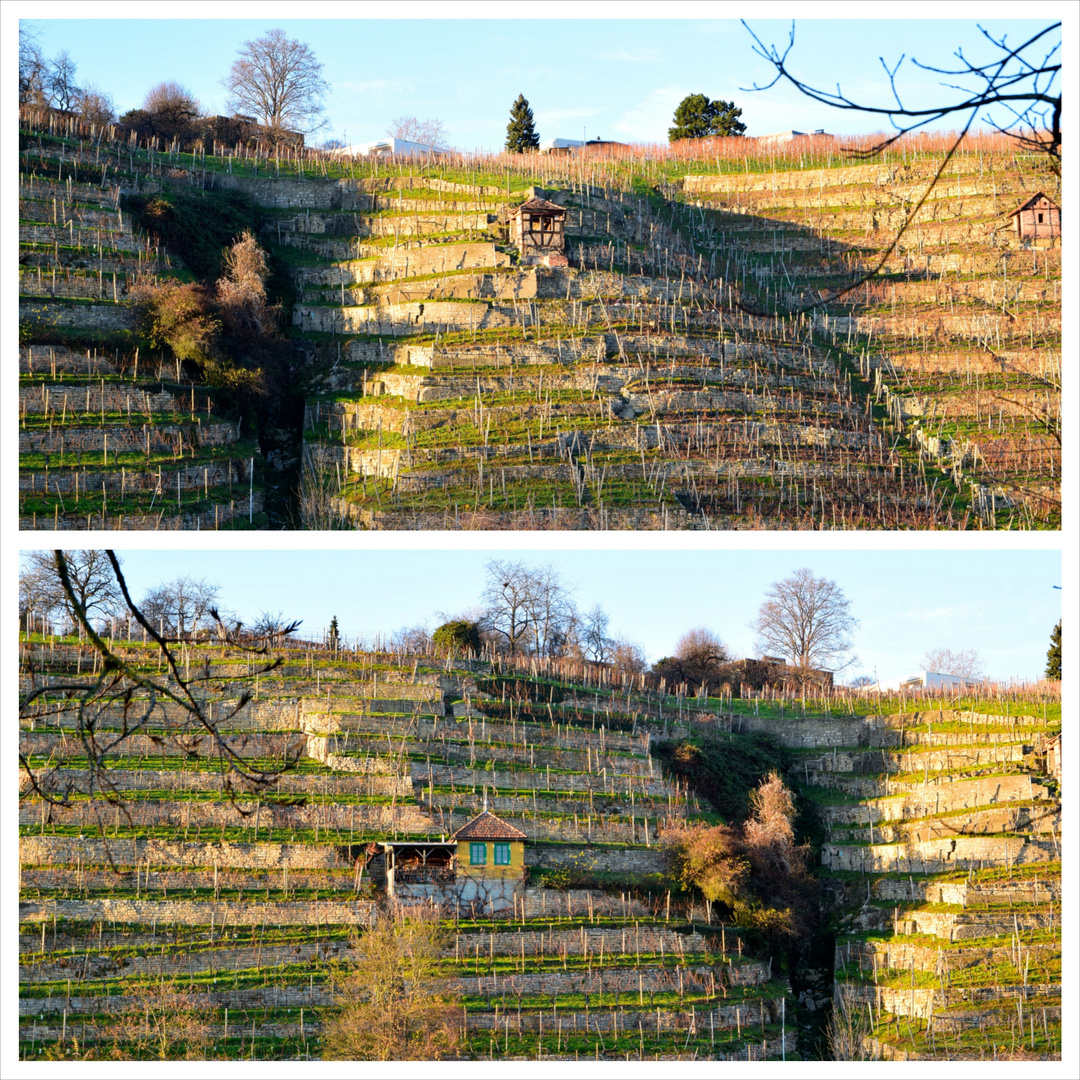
{"x": 102, "y": 712}
{"x": 1020, "y": 80}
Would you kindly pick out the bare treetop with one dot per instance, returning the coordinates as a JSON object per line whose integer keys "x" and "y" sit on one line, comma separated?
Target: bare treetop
{"x": 171, "y": 105}
{"x": 278, "y": 80}
{"x": 808, "y": 621}
{"x": 92, "y": 585}
{"x": 964, "y": 663}
{"x": 426, "y": 132}
{"x": 524, "y": 603}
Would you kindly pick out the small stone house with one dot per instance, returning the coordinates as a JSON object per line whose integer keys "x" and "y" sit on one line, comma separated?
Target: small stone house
{"x": 481, "y": 866}
{"x": 538, "y": 231}
{"x": 1037, "y": 219}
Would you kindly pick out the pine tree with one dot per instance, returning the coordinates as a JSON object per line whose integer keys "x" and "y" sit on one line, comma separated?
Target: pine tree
{"x": 699, "y": 118}
{"x": 333, "y": 637}
{"x": 1053, "y": 654}
{"x": 520, "y": 133}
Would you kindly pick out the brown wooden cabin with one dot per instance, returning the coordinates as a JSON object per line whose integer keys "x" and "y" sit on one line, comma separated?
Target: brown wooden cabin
{"x": 538, "y": 231}
{"x": 1037, "y": 219}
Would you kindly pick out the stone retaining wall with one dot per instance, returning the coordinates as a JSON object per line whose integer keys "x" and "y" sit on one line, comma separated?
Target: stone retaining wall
{"x": 940, "y": 856}
{"x": 43, "y": 316}
{"x": 125, "y": 852}
{"x": 401, "y": 319}
{"x": 598, "y": 858}
{"x": 126, "y": 438}
{"x": 202, "y": 912}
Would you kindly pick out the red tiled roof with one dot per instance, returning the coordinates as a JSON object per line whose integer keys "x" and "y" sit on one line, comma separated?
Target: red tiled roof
{"x": 488, "y": 827}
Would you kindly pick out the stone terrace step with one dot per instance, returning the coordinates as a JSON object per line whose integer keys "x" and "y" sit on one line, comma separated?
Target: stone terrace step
{"x": 942, "y": 855}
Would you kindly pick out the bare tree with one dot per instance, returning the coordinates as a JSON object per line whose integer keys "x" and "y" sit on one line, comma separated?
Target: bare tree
{"x": 697, "y": 661}
{"x": 389, "y": 1004}
{"x": 508, "y": 598}
{"x": 627, "y": 656}
{"x": 808, "y": 621}
{"x": 964, "y": 663}
{"x": 60, "y": 81}
{"x": 595, "y": 634}
{"x": 701, "y": 653}
{"x": 426, "y": 132}
{"x": 171, "y": 107}
{"x": 555, "y": 619}
{"x": 528, "y": 604}
{"x": 119, "y": 697}
{"x": 415, "y": 640}
{"x": 278, "y": 80}
{"x": 180, "y": 607}
{"x": 92, "y": 584}
{"x": 94, "y": 105}
{"x": 33, "y": 67}
{"x": 270, "y": 626}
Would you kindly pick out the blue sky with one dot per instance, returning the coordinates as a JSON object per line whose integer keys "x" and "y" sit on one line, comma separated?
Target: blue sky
{"x": 617, "y": 78}
{"x": 1003, "y": 604}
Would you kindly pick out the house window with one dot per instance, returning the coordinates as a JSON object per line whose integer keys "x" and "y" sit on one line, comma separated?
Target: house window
{"x": 477, "y": 854}
{"x": 502, "y": 854}
{"x": 1040, "y": 219}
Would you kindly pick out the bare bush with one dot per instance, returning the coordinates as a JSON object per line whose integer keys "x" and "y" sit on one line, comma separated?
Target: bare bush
{"x": 389, "y": 1004}
{"x": 847, "y": 1029}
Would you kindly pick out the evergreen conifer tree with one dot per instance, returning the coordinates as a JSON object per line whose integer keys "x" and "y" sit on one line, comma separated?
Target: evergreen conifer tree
{"x": 333, "y": 639}
{"x": 699, "y": 118}
{"x": 520, "y": 132}
{"x": 1053, "y": 654}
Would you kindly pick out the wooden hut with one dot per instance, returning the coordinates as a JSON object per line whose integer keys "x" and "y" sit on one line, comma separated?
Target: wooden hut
{"x": 538, "y": 231}
{"x": 1037, "y": 219}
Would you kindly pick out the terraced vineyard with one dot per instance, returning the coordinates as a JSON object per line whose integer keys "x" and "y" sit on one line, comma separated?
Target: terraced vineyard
{"x": 694, "y": 366}
{"x": 960, "y": 332}
{"x": 141, "y": 936}
{"x": 623, "y": 392}
{"x": 944, "y": 833}
{"x": 109, "y": 439}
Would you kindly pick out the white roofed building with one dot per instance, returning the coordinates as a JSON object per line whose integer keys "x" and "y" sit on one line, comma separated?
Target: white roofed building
{"x": 390, "y": 147}
{"x": 560, "y": 146}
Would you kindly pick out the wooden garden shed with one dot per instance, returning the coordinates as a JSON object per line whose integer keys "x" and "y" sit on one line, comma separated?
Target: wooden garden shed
{"x": 1037, "y": 219}
{"x": 538, "y": 231}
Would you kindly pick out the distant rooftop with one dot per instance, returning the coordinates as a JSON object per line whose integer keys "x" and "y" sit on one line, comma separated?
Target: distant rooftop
{"x": 792, "y": 135}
